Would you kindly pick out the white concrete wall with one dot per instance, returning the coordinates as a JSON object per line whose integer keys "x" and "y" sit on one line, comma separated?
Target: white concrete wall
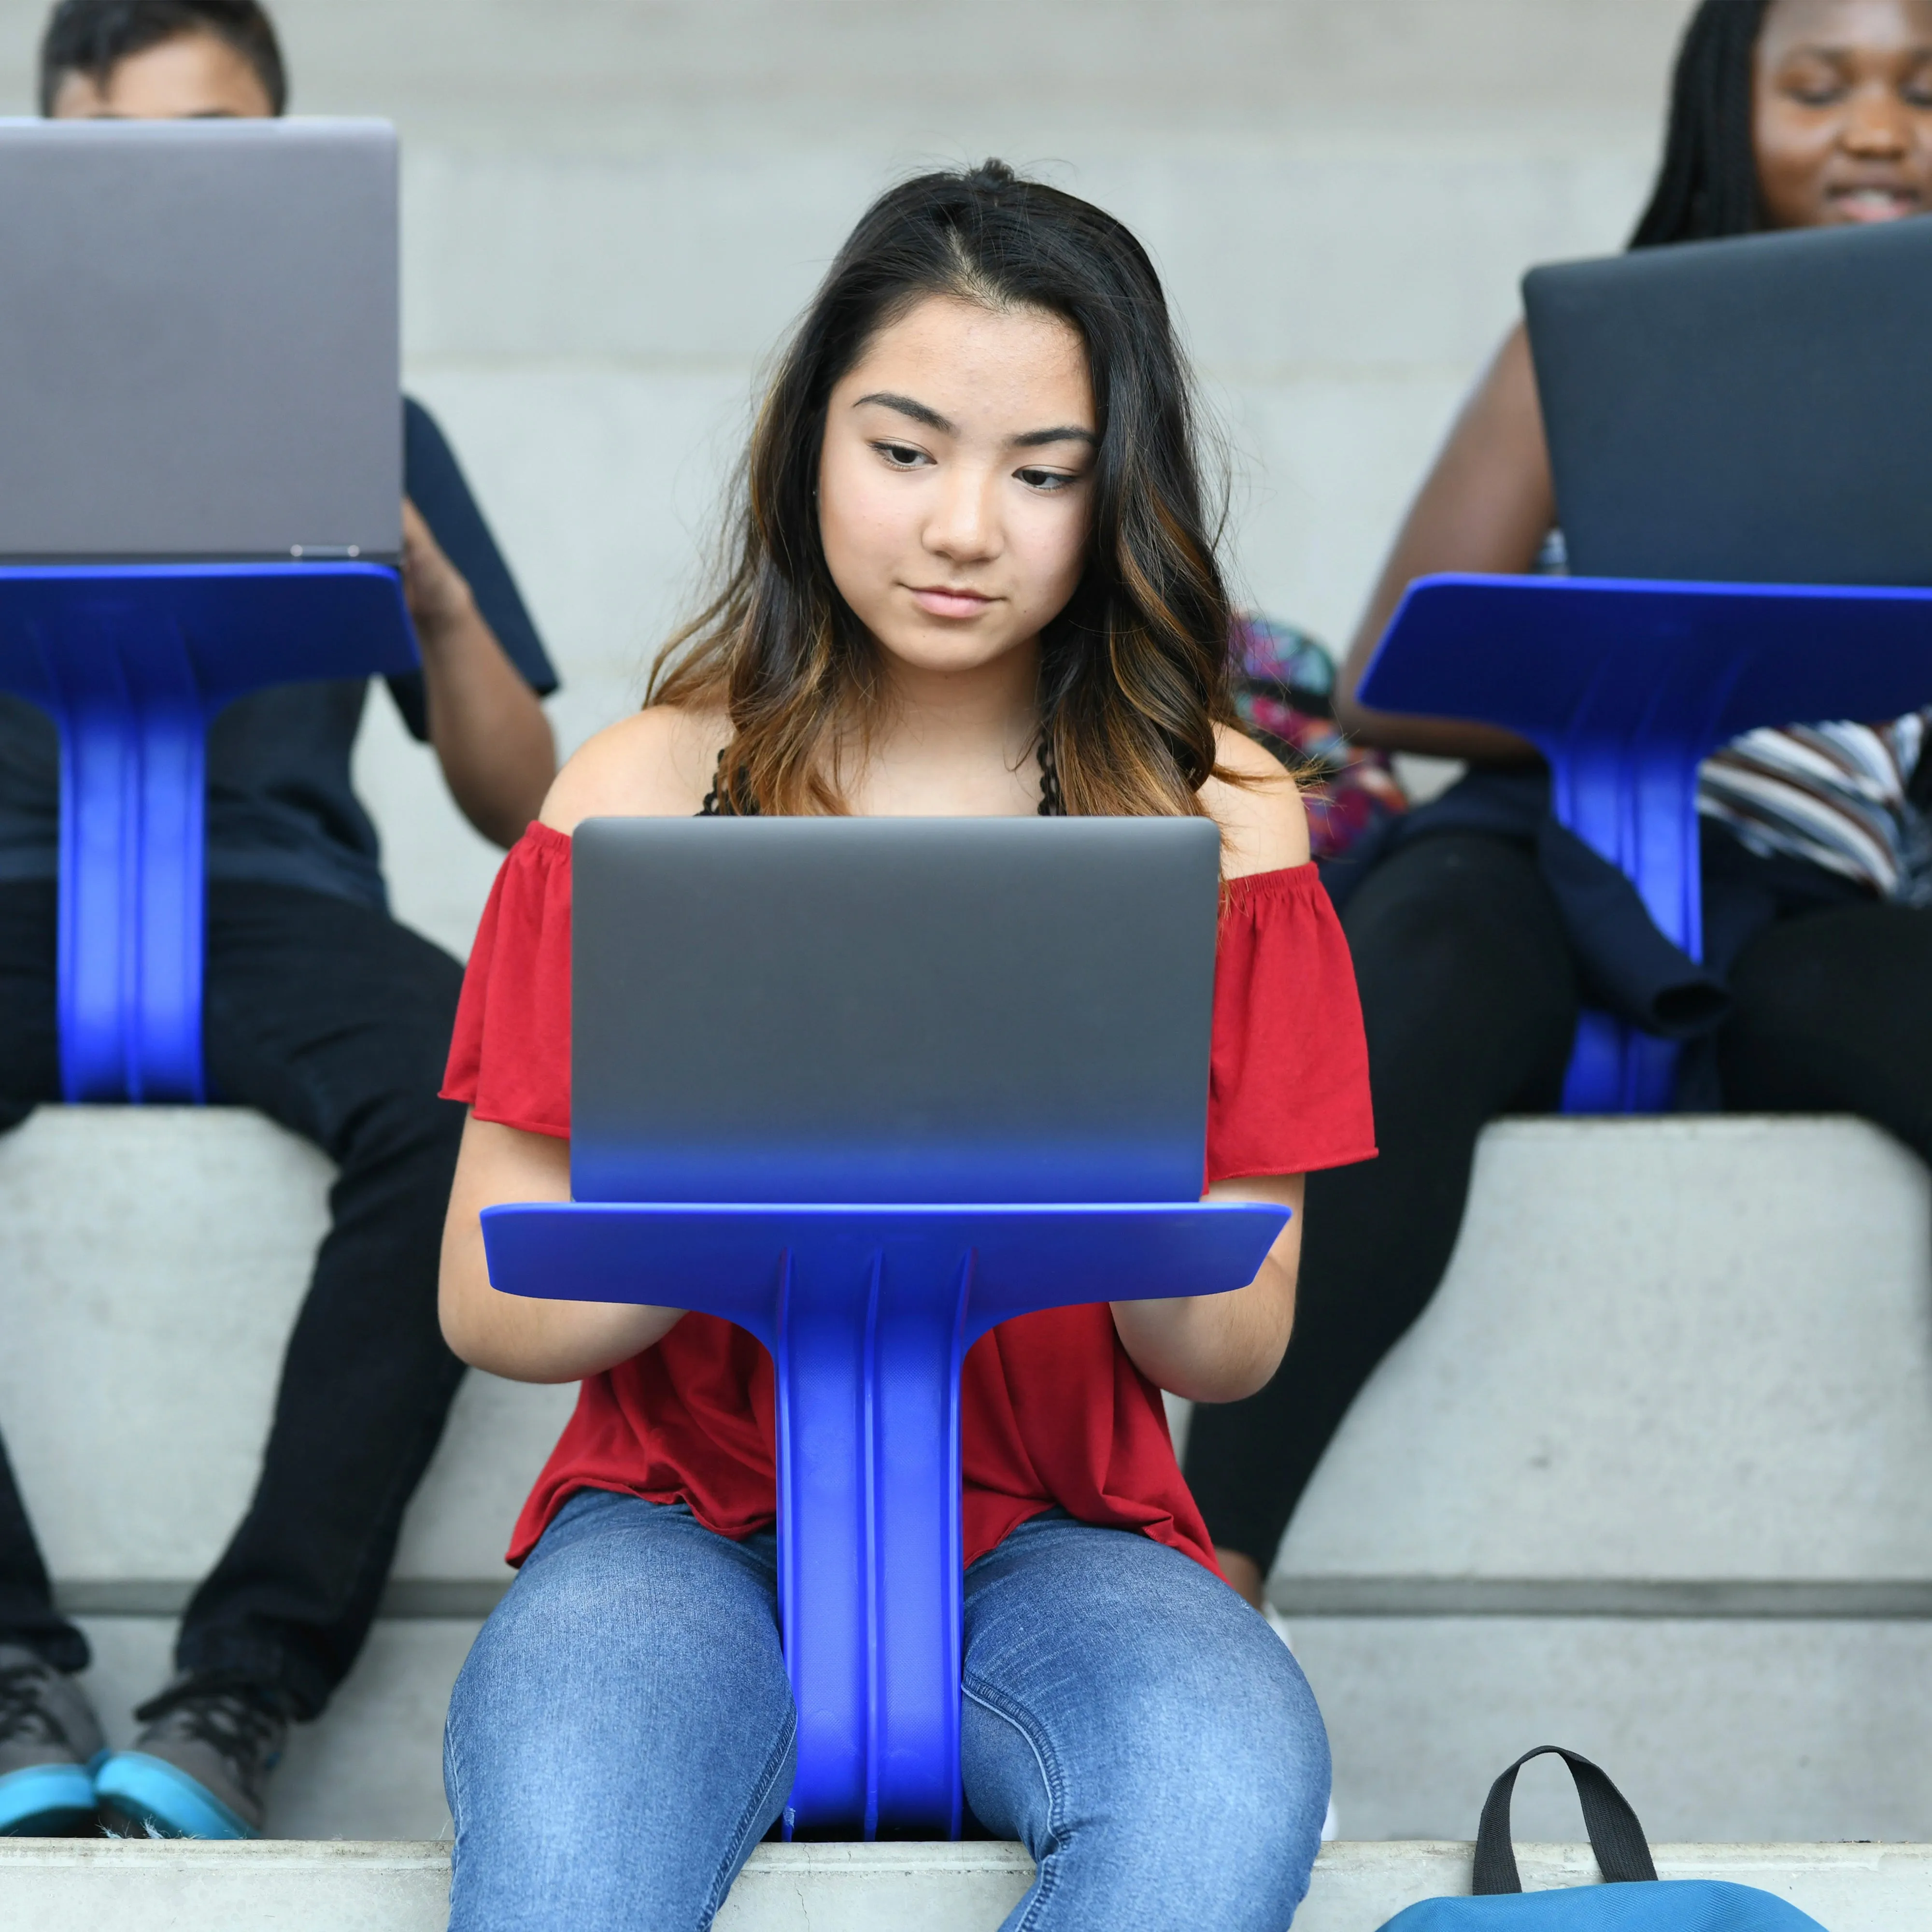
{"x": 613, "y": 207}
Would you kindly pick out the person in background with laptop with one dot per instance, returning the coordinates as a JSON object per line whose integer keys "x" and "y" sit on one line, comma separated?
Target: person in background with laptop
{"x": 1817, "y": 865}
{"x": 973, "y": 576}
{"x": 325, "y": 1014}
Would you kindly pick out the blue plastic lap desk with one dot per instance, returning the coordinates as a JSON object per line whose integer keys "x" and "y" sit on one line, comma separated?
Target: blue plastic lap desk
{"x": 867, "y": 1312}
{"x": 132, "y": 662}
{"x": 1625, "y": 687}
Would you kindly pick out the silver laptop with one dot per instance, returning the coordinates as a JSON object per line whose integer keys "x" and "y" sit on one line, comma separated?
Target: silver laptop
{"x": 1750, "y": 411}
{"x": 892, "y": 1009}
{"x": 199, "y": 350}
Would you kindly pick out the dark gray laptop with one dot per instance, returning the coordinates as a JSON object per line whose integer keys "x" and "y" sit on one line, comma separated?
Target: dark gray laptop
{"x": 1752, "y": 411}
{"x": 892, "y": 1009}
{"x": 198, "y": 341}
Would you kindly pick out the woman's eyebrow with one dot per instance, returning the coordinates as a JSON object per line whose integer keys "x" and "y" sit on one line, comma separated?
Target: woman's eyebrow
{"x": 920, "y": 412}
{"x": 1036, "y": 439}
{"x": 906, "y": 406}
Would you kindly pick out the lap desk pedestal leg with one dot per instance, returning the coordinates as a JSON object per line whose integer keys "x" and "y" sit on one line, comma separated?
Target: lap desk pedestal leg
{"x": 132, "y": 662}
{"x": 867, "y": 1312}
{"x": 1626, "y": 687}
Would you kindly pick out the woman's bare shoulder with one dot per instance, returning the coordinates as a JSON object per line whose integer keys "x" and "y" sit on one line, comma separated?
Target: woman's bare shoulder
{"x": 656, "y": 764}
{"x": 1258, "y": 808}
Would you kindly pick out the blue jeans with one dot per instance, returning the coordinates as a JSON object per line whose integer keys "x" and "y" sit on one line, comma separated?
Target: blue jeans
{"x": 622, "y": 1735}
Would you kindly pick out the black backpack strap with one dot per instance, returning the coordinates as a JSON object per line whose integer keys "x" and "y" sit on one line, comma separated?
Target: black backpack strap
{"x": 1615, "y": 1836}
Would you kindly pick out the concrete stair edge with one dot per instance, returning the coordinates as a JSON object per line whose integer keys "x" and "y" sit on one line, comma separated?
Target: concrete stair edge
{"x": 75, "y": 1885}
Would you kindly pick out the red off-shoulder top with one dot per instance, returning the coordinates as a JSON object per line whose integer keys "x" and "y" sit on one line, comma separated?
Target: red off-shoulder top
{"x": 1052, "y": 1411}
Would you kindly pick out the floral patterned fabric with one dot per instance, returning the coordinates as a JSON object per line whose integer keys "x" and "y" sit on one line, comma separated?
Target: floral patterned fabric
{"x": 1285, "y": 691}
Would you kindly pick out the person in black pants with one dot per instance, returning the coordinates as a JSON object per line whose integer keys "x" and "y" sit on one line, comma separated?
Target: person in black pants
{"x": 323, "y": 1013}
{"x": 1476, "y": 939}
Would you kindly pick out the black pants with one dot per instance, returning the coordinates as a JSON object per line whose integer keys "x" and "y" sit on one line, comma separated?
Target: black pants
{"x": 334, "y": 1021}
{"x": 1470, "y": 997}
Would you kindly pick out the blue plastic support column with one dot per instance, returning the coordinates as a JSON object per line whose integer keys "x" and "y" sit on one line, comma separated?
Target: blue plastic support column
{"x": 877, "y": 1733}
{"x": 867, "y": 1312}
{"x": 1626, "y": 687}
{"x": 133, "y": 753}
{"x": 133, "y": 662}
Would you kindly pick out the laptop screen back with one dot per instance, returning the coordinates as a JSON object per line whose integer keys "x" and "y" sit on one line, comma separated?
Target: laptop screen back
{"x": 199, "y": 354}
{"x": 878, "y": 1009}
{"x": 1746, "y": 411}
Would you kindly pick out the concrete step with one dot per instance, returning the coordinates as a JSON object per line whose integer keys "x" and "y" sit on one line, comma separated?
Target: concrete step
{"x": 151, "y": 1261}
{"x": 1682, "y": 1351}
{"x": 52, "y": 1885}
{"x": 1686, "y": 1348}
{"x": 1744, "y": 1730}
{"x": 1647, "y": 1478}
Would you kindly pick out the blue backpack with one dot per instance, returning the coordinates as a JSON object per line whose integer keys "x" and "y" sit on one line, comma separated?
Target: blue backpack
{"x": 1633, "y": 1899}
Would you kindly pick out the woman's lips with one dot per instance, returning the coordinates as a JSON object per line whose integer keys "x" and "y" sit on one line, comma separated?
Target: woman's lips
{"x": 1873, "y": 203}
{"x": 938, "y": 601}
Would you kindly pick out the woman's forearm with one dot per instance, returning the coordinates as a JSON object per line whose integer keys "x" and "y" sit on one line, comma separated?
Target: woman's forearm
{"x": 511, "y": 1335}
{"x": 1218, "y": 1348}
{"x": 1486, "y": 506}
{"x": 491, "y": 737}
{"x": 492, "y": 740}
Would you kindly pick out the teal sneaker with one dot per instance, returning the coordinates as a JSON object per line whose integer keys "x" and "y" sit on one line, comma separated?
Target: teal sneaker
{"x": 198, "y": 1770}
{"x": 50, "y": 1744}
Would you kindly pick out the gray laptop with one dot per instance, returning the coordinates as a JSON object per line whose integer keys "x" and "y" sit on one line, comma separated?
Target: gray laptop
{"x": 1751, "y": 411}
{"x": 892, "y": 1009}
{"x": 198, "y": 341}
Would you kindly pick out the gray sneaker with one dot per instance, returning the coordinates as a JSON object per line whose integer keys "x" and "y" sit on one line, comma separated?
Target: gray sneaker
{"x": 198, "y": 1770}
{"x": 50, "y": 1743}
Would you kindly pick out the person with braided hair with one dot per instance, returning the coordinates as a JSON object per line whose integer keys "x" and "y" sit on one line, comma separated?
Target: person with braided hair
{"x": 1817, "y": 863}
{"x": 974, "y": 575}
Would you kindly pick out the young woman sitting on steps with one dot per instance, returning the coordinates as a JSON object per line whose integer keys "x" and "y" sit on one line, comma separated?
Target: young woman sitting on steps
{"x": 972, "y": 575}
{"x": 1817, "y": 865}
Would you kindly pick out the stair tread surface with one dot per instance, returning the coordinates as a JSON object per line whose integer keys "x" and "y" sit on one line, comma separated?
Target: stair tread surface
{"x": 65, "y": 1886}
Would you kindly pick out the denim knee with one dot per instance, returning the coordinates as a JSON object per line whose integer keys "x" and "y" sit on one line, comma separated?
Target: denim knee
{"x": 1217, "y": 1798}
{"x": 621, "y": 1734}
{"x": 1251, "y": 1812}
{"x": 1143, "y": 1731}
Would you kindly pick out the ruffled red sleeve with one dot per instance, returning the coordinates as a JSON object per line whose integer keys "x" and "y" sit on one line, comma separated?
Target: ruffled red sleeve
{"x": 509, "y": 1058}
{"x": 1288, "y": 1080}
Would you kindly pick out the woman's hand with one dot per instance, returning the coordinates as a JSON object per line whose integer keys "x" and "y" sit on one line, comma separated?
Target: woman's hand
{"x": 1218, "y": 1348}
{"x": 510, "y": 1335}
{"x": 490, "y": 732}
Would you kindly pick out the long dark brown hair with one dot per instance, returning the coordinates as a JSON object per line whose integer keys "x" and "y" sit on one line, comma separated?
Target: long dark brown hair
{"x": 1134, "y": 672}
